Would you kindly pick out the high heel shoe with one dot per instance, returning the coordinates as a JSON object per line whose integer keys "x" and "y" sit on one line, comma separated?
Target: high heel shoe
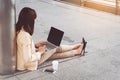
{"x": 84, "y": 46}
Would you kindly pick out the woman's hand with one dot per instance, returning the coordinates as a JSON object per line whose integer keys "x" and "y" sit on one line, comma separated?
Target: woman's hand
{"x": 42, "y": 49}
{"x": 40, "y": 44}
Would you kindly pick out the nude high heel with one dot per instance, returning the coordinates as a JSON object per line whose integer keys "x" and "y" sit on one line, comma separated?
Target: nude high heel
{"x": 84, "y": 46}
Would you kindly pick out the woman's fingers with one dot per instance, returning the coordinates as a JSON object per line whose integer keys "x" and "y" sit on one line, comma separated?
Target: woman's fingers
{"x": 39, "y": 44}
{"x": 42, "y": 49}
{"x": 43, "y": 43}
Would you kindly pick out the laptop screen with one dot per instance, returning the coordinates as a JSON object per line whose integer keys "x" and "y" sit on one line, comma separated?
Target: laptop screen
{"x": 55, "y": 36}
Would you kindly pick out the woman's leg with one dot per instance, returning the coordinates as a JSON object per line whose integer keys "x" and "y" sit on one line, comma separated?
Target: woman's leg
{"x": 46, "y": 56}
{"x": 64, "y": 48}
{"x": 67, "y": 53}
{"x": 62, "y": 52}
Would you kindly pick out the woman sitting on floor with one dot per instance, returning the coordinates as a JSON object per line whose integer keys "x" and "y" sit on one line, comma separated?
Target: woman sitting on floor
{"x": 27, "y": 57}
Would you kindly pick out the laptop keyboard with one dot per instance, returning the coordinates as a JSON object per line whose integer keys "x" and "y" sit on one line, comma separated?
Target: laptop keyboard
{"x": 50, "y": 46}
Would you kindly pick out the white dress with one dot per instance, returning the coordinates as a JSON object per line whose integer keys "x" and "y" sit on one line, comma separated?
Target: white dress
{"x": 27, "y": 57}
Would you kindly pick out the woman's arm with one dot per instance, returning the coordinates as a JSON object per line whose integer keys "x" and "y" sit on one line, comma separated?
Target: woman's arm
{"x": 28, "y": 55}
{"x": 28, "y": 52}
{"x": 41, "y": 50}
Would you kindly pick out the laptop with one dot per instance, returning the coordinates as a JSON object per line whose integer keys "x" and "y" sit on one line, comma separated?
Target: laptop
{"x": 53, "y": 41}
{"x": 54, "y": 38}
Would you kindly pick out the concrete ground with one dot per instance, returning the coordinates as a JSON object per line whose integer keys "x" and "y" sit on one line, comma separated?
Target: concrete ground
{"x": 100, "y": 29}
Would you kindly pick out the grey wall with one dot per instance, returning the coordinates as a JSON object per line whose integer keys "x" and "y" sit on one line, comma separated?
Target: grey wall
{"x": 7, "y": 20}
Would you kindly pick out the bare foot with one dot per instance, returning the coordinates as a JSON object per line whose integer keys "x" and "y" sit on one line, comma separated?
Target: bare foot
{"x": 77, "y": 46}
{"x": 79, "y": 50}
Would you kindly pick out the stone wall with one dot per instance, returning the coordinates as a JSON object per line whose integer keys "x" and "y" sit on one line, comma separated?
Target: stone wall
{"x": 99, "y": 5}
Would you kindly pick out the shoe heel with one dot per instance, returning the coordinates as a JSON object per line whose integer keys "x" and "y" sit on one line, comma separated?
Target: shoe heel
{"x": 83, "y": 51}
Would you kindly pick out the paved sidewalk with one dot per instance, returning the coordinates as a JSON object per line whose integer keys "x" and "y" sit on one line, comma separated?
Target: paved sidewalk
{"x": 100, "y": 29}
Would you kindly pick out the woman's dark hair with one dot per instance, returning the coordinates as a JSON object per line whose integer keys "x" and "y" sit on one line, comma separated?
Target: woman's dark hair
{"x": 26, "y": 20}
